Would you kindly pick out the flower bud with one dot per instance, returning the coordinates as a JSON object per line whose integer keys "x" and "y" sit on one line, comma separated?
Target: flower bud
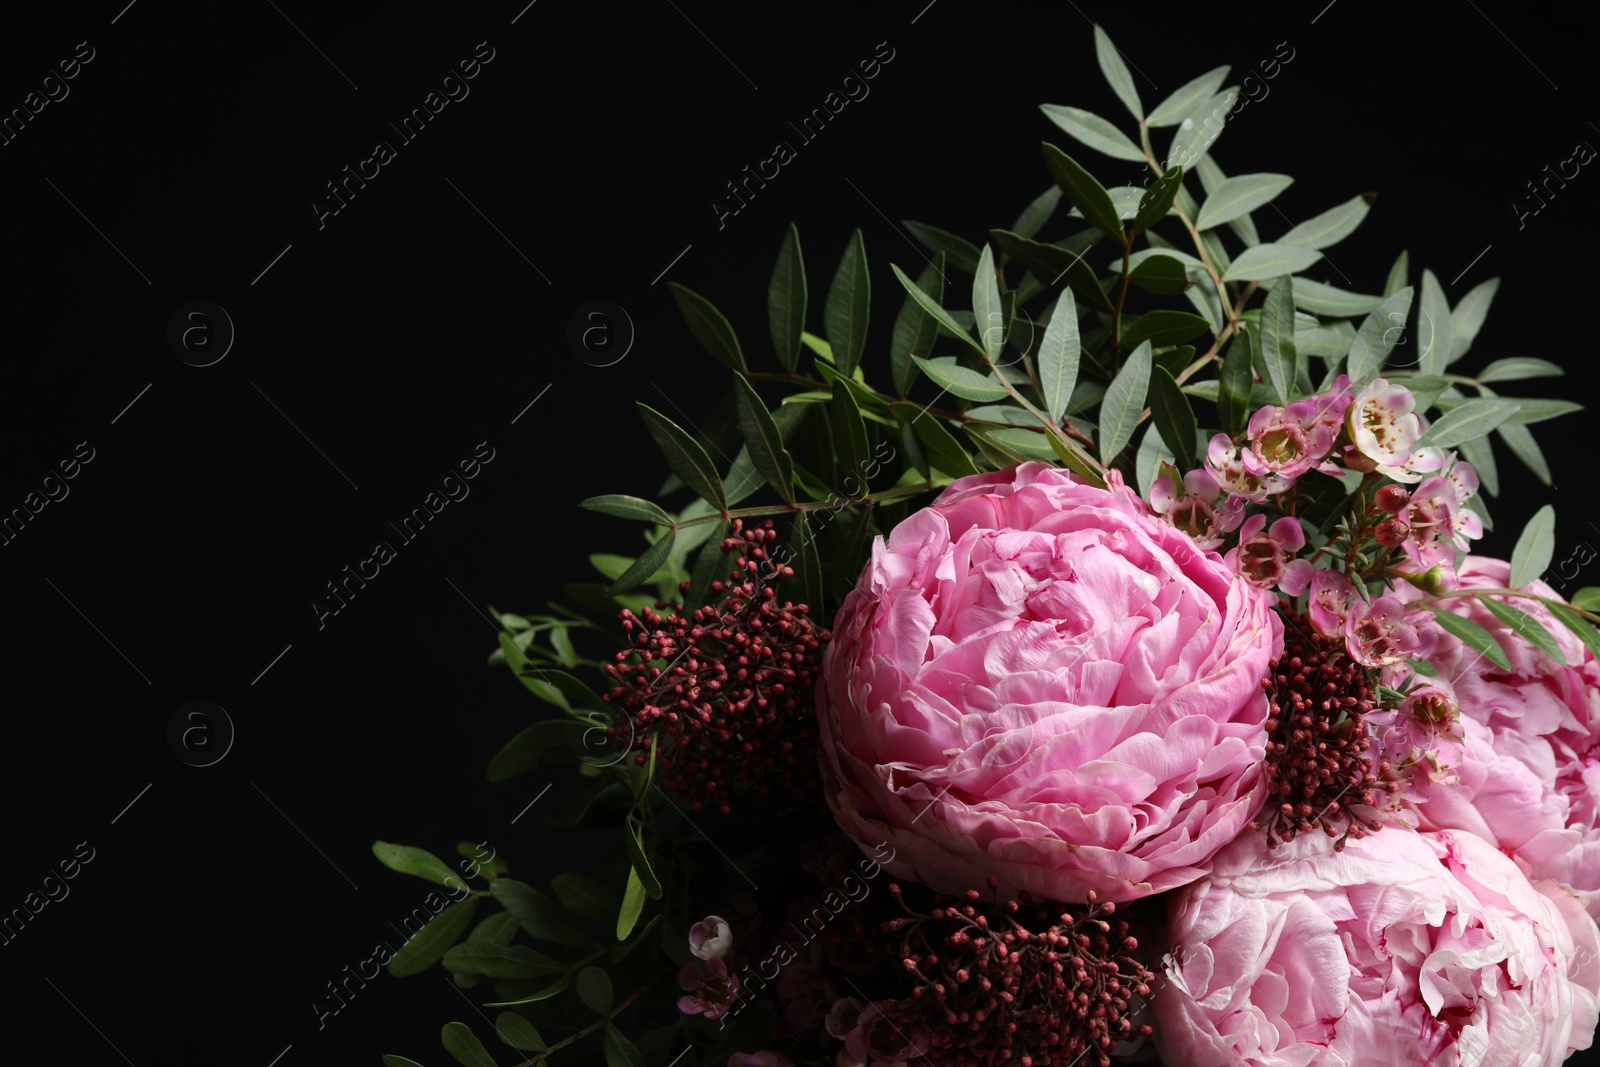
{"x": 1435, "y": 580}
{"x": 1393, "y": 498}
{"x": 1392, "y": 533}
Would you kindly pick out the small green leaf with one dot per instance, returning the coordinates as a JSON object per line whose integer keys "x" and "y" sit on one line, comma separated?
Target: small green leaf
{"x": 943, "y": 450}
{"x": 1517, "y": 368}
{"x": 706, "y": 568}
{"x": 1163, "y": 327}
{"x": 849, "y": 438}
{"x": 1587, "y": 599}
{"x": 1172, "y": 415}
{"x": 627, "y": 507}
{"x": 1238, "y": 196}
{"x": 1526, "y": 627}
{"x": 645, "y": 567}
{"x": 1037, "y": 213}
{"x": 1318, "y": 298}
{"x": 586, "y": 896}
{"x": 1535, "y": 548}
{"x": 500, "y": 961}
{"x": 420, "y": 862}
{"x": 1200, "y": 128}
{"x": 1520, "y": 440}
{"x": 463, "y": 1044}
{"x": 541, "y": 917}
{"x": 545, "y": 993}
{"x": 427, "y": 946}
{"x": 1330, "y": 227}
{"x": 1083, "y": 191}
{"x": 1092, "y": 130}
{"x": 961, "y": 253}
{"x": 518, "y": 1032}
{"x": 1277, "y": 338}
{"x": 685, "y": 456}
{"x": 1467, "y": 421}
{"x": 1053, "y": 264}
{"x": 1435, "y": 331}
{"x": 635, "y": 846}
{"x": 967, "y": 384}
{"x": 1156, "y": 201}
{"x": 937, "y": 313}
{"x": 632, "y": 905}
{"x": 914, "y": 329}
{"x": 986, "y": 309}
{"x": 551, "y": 741}
{"x": 1235, "y": 378}
{"x": 786, "y": 300}
{"x": 620, "y": 1052}
{"x": 1399, "y": 275}
{"x": 1467, "y": 318}
{"x": 709, "y": 326}
{"x": 594, "y": 989}
{"x": 846, "y": 311}
{"x": 1058, "y": 357}
{"x": 1116, "y": 72}
{"x": 1578, "y": 625}
{"x": 762, "y": 438}
{"x": 1165, "y": 275}
{"x": 1472, "y": 634}
{"x": 1268, "y": 261}
{"x": 1123, "y": 403}
{"x": 1378, "y": 336}
{"x": 1534, "y": 410}
{"x": 1186, "y": 98}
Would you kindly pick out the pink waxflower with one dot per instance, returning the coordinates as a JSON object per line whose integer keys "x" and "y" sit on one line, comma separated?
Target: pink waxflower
{"x": 1331, "y": 595}
{"x": 1288, "y": 441}
{"x": 1265, "y": 557}
{"x": 878, "y": 1041}
{"x": 1226, "y": 465}
{"x": 711, "y": 989}
{"x": 1403, "y": 948}
{"x": 763, "y": 1058}
{"x": 1384, "y": 427}
{"x": 1038, "y": 679}
{"x": 1377, "y": 634}
{"x": 710, "y": 938}
{"x": 1196, "y": 504}
{"x": 1530, "y": 772}
{"x": 842, "y": 1017}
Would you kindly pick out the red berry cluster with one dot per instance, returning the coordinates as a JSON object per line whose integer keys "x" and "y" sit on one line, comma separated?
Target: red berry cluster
{"x": 1318, "y": 763}
{"x": 1018, "y": 983}
{"x": 724, "y": 694}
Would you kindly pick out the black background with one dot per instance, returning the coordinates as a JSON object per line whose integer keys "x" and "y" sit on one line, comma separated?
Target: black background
{"x": 413, "y": 325}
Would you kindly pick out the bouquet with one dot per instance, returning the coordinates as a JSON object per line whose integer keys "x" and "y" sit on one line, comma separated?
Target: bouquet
{"x": 1101, "y": 674}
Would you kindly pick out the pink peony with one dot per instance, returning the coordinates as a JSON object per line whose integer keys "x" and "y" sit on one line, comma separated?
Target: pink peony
{"x": 1404, "y": 948}
{"x": 1530, "y": 777}
{"x": 1036, "y": 679}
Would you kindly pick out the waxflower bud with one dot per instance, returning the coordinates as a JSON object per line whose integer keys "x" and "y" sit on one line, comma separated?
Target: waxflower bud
{"x": 1392, "y": 533}
{"x": 1392, "y": 498}
{"x": 1432, "y": 580}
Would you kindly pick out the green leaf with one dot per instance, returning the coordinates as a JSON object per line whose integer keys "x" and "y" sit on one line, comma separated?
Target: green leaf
{"x": 1156, "y": 201}
{"x": 541, "y": 917}
{"x": 1578, "y": 625}
{"x": 1535, "y": 548}
{"x": 518, "y": 1032}
{"x": 1434, "y": 328}
{"x": 986, "y": 309}
{"x": 1199, "y": 129}
{"x": 817, "y": 345}
{"x": 1277, "y": 338}
{"x": 1116, "y": 72}
{"x": 550, "y": 741}
{"x": 635, "y": 845}
{"x": 1520, "y": 440}
{"x": 1161, "y": 274}
{"x": 1586, "y": 599}
{"x": 705, "y": 568}
{"x": 1186, "y": 98}
{"x": 1235, "y": 377}
{"x": 685, "y": 456}
{"x": 1094, "y": 131}
{"x": 762, "y": 438}
{"x": 1467, "y": 318}
{"x": 646, "y": 566}
{"x": 786, "y": 300}
{"x": 1268, "y": 261}
{"x": 399, "y": 1061}
{"x": 1058, "y": 358}
{"x": 1173, "y": 417}
{"x": 914, "y": 329}
{"x": 709, "y": 326}
{"x": 1526, "y": 627}
{"x": 1517, "y": 368}
{"x": 1480, "y": 454}
{"x": 500, "y": 961}
{"x": 943, "y": 450}
{"x": 626, "y": 507}
{"x": 937, "y": 313}
{"x": 1467, "y": 421}
{"x": 1472, "y": 634}
{"x": 1399, "y": 275}
{"x": 967, "y": 384}
{"x": 632, "y": 905}
{"x": 1083, "y": 191}
{"x": 1530, "y": 409}
{"x": 1163, "y": 327}
{"x": 594, "y": 989}
{"x": 1330, "y": 227}
{"x": 1037, "y": 213}
{"x": 1123, "y": 403}
{"x": 423, "y": 864}
{"x": 463, "y": 1044}
{"x": 583, "y": 895}
{"x": 846, "y": 311}
{"x": 427, "y": 946}
{"x": 849, "y": 437}
{"x": 1318, "y": 298}
{"x": 555, "y": 987}
{"x": 1238, "y": 196}
{"x": 961, "y": 253}
{"x": 1052, "y": 264}
{"x": 498, "y": 929}
{"x": 620, "y": 1052}
{"x": 1377, "y": 336}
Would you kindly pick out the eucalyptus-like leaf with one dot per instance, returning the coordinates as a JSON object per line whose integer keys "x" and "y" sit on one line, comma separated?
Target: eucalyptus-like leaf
{"x": 849, "y": 438}
{"x": 1399, "y": 275}
{"x": 1092, "y": 130}
{"x": 1330, "y": 227}
{"x": 427, "y": 946}
{"x": 1435, "y": 331}
{"x": 1056, "y": 265}
{"x": 1586, "y": 599}
{"x": 1531, "y": 409}
{"x": 627, "y": 507}
{"x": 594, "y": 989}
{"x": 1037, "y": 213}
{"x": 1582, "y": 627}
{"x": 464, "y": 1046}
{"x": 1152, "y": 452}
{"x": 786, "y": 300}
{"x": 915, "y": 329}
{"x": 500, "y": 961}
{"x": 1123, "y": 403}
{"x": 1240, "y": 195}
{"x": 762, "y": 438}
{"x": 633, "y": 899}
{"x": 1234, "y": 379}
{"x": 1520, "y": 440}
{"x": 1473, "y": 635}
{"x": 417, "y": 861}
{"x": 967, "y": 384}
{"x": 645, "y": 567}
{"x": 1083, "y": 192}
{"x": 518, "y": 1032}
{"x": 1535, "y": 548}
{"x": 1471, "y": 419}
{"x": 685, "y": 456}
{"x": 1269, "y": 261}
{"x": 1377, "y": 336}
{"x": 1277, "y": 338}
{"x": 1480, "y": 453}
{"x": 1156, "y": 201}
{"x": 1526, "y": 627}
{"x": 1173, "y": 417}
{"x": 1519, "y": 367}
{"x": 1058, "y": 357}
{"x": 711, "y": 564}
{"x": 1200, "y": 128}
{"x": 709, "y": 326}
{"x": 959, "y": 252}
{"x": 986, "y": 309}
{"x": 1116, "y": 72}
{"x": 1163, "y": 327}
{"x": 1160, "y": 274}
{"x": 1467, "y": 318}
{"x": 1319, "y": 298}
{"x": 1186, "y": 98}
{"x": 934, "y": 311}
{"x": 849, "y": 302}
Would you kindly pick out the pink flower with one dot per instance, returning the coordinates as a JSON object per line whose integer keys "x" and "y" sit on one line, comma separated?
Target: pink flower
{"x": 1330, "y": 600}
{"x": 1036, "y": 679}
{"x": 710, "y": 938}
{"x": 842, "y": 1017}
{"x": 1377, "y": 634}
{"x": 1288, "y": 441}
{"x": 878, "y": 1041}
{"x": 763, "y": 1058}
{"x": 1404, "y": 948}
{"x": 1265, "y": 558}
{"x": 1530, "y": 777}
{"x": 711, "y": 989}
{"x": 1224, "y": 463}
{"x": 1196, "y": 504}
{"x": 1384, "y": 427}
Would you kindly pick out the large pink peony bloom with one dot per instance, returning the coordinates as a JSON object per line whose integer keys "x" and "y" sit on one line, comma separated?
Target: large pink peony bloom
{"x": 1528, "y": 772}
{"x": 1037, "y": 679}
{"x": 1403, "y": 949}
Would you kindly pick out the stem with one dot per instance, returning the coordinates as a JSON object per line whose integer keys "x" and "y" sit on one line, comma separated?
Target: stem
{"x": 810, "y": 505}
{"x": 786, "y": 376}
{"x": 586, "y": 1031}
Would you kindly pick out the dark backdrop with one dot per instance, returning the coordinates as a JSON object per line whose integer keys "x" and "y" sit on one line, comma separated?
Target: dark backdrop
{"x": 380, "y": 347}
